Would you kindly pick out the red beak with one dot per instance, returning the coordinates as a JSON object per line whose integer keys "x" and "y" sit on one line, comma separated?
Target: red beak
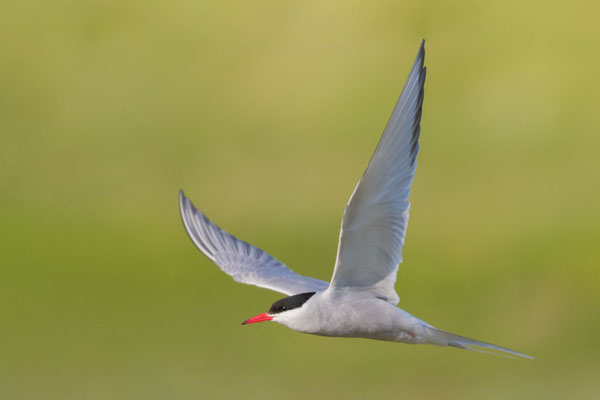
{"x": 258, "y": 318}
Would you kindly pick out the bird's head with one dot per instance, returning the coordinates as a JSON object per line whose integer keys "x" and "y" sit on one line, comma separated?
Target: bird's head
{"x": 281, "y": 307}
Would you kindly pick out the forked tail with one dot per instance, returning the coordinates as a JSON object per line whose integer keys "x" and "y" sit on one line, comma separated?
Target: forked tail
{"x": 443, "y": 338}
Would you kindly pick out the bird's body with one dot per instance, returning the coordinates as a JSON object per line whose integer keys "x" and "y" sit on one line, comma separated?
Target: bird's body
{"x": 360, "y": 301}
{"x": 348, "y": 314}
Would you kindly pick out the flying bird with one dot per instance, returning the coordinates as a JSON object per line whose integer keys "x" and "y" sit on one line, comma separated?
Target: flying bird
{"x": 360, "y": 301}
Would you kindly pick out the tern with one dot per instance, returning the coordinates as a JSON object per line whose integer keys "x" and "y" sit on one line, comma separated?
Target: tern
{"x": 360, "y": 301}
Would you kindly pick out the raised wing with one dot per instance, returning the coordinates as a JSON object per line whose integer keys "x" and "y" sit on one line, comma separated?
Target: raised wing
{"x": 375, "y": 219}
{"x": 244, "y": 262}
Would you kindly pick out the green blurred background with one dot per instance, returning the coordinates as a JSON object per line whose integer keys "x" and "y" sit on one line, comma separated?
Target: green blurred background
{"x": 266, "y": 113}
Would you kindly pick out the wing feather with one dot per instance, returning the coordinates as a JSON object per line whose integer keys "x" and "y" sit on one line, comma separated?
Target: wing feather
{"x": 376, "y": 217}
{"x": 239, "y": 259}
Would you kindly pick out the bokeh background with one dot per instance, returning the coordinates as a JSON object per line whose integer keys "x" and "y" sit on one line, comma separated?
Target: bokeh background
{"x": 266, "y": 113}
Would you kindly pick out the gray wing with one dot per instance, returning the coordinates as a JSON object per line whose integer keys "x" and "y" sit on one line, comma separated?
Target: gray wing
{"x": 244, "y": 262}
{"x": 375, "y": 219}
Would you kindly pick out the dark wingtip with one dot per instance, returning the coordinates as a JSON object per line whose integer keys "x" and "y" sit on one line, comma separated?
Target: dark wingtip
{"x": 420, "y": 60}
